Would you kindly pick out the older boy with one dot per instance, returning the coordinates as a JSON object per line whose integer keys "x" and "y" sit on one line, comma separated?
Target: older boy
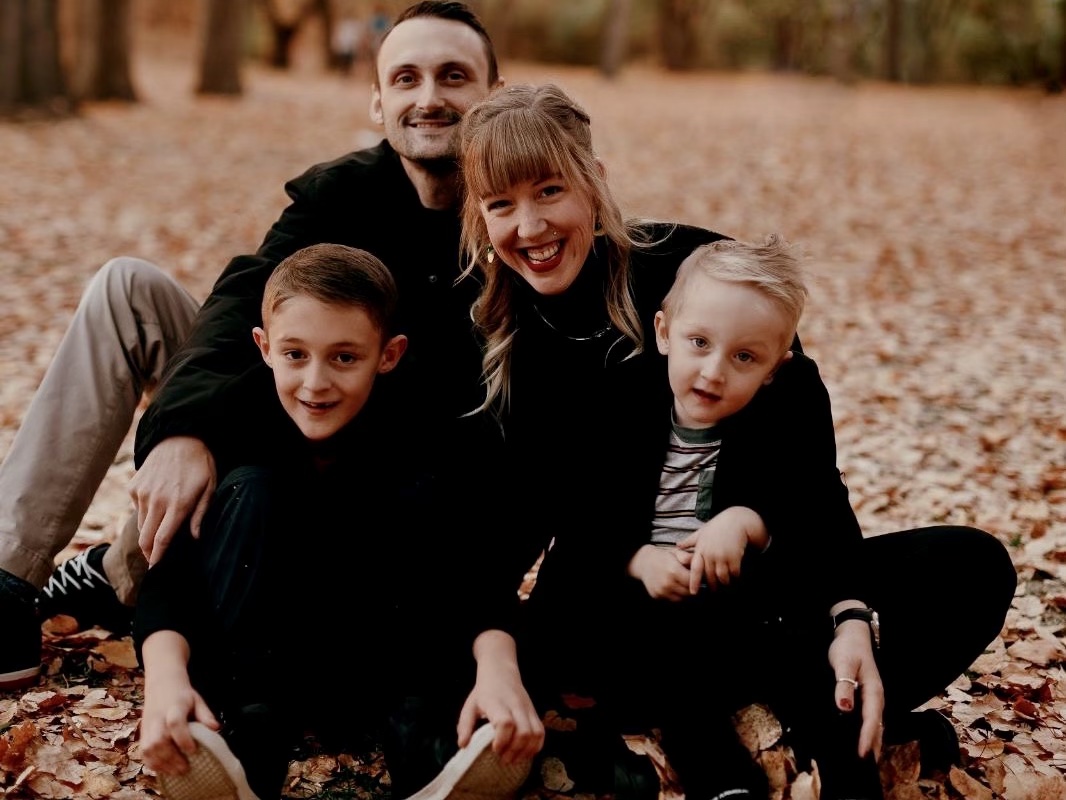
{"x": 236, "y": 628}
{"x": 434, "y": 63}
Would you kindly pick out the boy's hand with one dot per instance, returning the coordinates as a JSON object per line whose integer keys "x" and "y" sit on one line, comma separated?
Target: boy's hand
{"x": 663, "y": 572}
{"x": 500, "y": 697}
{"x": 719, "y": 545}
{"x": 165, "y": 738}
{"x": 175, "y": 482}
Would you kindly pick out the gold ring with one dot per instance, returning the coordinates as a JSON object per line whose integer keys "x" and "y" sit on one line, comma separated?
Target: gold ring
{"x": 854, "y": 683}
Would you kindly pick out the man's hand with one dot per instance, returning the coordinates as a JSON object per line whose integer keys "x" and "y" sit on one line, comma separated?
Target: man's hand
{"x": 662, "y": 571}
{"x": 175, "y": 483}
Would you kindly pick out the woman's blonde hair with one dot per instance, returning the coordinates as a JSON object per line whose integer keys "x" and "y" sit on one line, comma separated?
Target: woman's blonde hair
{"x": 528, "y": 133}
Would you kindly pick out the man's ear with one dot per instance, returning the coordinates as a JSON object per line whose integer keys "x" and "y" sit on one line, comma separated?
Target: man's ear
{"x": 390, "y": 354}
{"x": 263, "y": 344}
{"x": 784, "y": 360}
{"x": 375, "y": 106}
{"x": 662, "y": 334}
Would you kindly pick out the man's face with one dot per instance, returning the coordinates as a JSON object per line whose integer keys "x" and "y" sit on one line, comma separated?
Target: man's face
{"x": 430, "y": 71}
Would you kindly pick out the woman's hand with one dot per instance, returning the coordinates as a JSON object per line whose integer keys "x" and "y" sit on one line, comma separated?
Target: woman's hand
{"x": 851, "y": 656}
{"x": 500, "y": 697}
{"x": 662, "y": 570}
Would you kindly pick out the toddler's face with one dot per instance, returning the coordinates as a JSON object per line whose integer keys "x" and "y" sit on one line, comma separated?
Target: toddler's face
{"x": 724, "y": 341}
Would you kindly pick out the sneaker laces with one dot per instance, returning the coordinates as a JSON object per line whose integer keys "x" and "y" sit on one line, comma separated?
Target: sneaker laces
{"x": 72, "y": 572}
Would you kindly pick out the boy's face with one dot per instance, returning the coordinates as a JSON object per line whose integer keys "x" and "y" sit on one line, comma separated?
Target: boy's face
{"x": 325, "y": 358}
{"x": 430, "y": 71}
{"x": 723, "y": 343}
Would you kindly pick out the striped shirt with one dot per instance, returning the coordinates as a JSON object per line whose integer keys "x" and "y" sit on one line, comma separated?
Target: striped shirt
{"x": 683, "y": 503}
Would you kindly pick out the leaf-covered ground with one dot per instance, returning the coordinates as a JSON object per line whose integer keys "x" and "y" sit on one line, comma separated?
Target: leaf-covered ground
{"x": 934, "y": 218}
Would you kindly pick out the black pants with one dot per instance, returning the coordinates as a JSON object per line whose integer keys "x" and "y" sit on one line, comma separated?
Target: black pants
{"x": 302, "y": 636}
{"x": 942, "y": 594}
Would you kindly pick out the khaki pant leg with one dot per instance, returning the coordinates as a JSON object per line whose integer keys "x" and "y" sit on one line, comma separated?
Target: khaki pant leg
{"x": 125, "y": 564}
{"x": 129, "y": 321}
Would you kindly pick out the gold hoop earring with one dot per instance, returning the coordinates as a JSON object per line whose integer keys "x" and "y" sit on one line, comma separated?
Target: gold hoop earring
{"x": 597, "y": 228}
{"x": 490, "y": 254}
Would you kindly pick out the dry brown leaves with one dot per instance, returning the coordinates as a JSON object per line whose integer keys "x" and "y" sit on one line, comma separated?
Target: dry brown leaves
{"x": 934, "y": 218}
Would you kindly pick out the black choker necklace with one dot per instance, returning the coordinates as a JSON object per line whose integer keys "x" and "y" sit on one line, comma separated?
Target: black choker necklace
{"x": 594, "y": 335}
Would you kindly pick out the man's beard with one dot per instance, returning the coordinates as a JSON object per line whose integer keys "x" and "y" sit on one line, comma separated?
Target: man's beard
{"x": 438, "y": 165}
{"x": 445, "y": 157}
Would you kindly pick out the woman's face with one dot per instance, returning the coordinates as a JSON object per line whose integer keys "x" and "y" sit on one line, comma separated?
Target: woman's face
{"x": 542, "y": 230}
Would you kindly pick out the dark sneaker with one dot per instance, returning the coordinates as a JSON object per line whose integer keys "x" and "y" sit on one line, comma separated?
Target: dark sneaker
{"x": 711, "y": 762}
{"x": 476, "y": 773}
{"x": 79, "y": 589}
{"x": 214, "y": 772}
{"x": 20, "y": 655}
{"x": 844, "y": 775}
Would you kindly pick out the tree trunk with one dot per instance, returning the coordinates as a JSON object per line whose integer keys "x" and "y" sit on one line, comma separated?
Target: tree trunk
{"x": 1059, "y": 83}
{"x": 283, "y": 30}
{"x": 102, "y": 60}
{"x": 842, "y": 41}
{"x": 31, "y": 78}
{"x": 220, "y": 60}
{"x": 615, "y": 37}
{"x": 679, "y": 32}
{"x": 893, "y": 40}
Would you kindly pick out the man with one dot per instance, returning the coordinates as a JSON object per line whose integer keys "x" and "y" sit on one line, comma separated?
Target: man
{"x": 397, "y": 200}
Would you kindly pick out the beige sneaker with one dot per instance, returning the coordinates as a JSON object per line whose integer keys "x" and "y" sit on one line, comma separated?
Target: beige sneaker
{"x": 214, "y": 772}
{"x": 475, "y": 773}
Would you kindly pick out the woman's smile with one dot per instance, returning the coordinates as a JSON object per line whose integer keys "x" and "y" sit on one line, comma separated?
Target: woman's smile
{"x": 544, "y": 258}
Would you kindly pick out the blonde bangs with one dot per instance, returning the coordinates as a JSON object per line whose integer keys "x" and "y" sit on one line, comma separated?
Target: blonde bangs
{"x": 511, "y": 148}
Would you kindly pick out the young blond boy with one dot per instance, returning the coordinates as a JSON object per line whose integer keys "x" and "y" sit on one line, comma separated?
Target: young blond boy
{"x": 726, "y": 328}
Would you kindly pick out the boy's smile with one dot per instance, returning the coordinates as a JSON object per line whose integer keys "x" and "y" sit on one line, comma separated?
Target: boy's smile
{"x": 325, "y": 358}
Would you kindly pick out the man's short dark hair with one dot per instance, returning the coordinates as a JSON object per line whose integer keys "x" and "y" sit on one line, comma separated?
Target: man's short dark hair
{"x": 457, "y": 12}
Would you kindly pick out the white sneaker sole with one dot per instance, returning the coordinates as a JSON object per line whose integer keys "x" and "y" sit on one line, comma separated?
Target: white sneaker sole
{"x": 214, "y": 772}
{"x": 475, "y": 773}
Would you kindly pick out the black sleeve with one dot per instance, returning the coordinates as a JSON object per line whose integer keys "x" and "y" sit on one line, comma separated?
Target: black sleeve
{"x": 792, "y": 480}
{"x": 220, "y": 345}
{"x": 172, "y": 596}
{"x": 479, "y": 552}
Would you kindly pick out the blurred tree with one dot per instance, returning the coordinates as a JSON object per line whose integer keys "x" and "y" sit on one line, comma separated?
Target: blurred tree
{"x": 615, "y": 36}
{"x": 1058, "y": 83}
{"x": 102, "y": 56}
{"x": 679, "y": 31}
{"x": 844, "y": 31}
{"x": 31, "y": 78}
{"x": 220, "y": 56}
{"x": 893, "y": 40}
{"x": 286, "y": 19}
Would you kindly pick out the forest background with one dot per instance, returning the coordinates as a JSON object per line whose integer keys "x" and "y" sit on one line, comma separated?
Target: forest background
{"x": 931, "y": 204}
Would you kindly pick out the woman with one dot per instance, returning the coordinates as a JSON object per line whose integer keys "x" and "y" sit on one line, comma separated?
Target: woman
{"x": 570, "y": 290}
